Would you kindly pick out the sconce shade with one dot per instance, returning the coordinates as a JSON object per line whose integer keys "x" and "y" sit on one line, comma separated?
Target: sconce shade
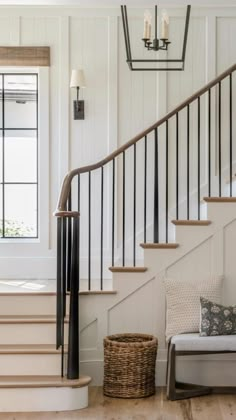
{"x": 77, "y": 79}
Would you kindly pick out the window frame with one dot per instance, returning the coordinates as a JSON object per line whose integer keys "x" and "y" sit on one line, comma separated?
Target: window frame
{"x": 28, "y": 244}
{"x": 4, "y": 129}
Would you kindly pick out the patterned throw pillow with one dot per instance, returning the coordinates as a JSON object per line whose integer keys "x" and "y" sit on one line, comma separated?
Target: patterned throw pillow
{"x": 183, "y": 302}
{"x": 217, "y": 319}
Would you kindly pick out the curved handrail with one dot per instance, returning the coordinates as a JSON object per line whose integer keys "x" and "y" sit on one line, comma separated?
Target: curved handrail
{"x": 61, "y": 210}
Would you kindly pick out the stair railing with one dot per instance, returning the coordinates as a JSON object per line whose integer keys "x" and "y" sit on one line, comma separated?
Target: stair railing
{"x": 68, "y": 218}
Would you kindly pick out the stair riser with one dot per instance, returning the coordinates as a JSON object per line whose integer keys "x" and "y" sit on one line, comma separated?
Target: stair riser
{"x": 221, "y": 212}
{"x": 190, "y": 235}
{"x": 30, "y": 364}
{"x": 160, "y": 258}
{"x": 29, "y": 333}
{"x": 43, "y": 399}
{"x": 126, "y": 281}
{"x": 29, "y": 305}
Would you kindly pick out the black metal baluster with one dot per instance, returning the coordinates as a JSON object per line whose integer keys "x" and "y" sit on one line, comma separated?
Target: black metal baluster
{"x": 101, "y": 268}
{"x": 123, "y": 232}
{"x": 73, "y": 342}
{"x": 156, "y": 189}
{"x": 188, "y": 158}
{"x": 167, "y": 180}
{"x": 145, "y": 191}
{"x": 79, "y": 229}
{"x": 69, "y": 240}
{"x": 64, "y": 270}
{"x": 198, "y": 156}
{"x": 219, "y": 138}
{"x": 113, "y": 211}
{"x": 177, "y": 166}
{"x": 230, "y": 135}
{"x": 63, "y": 294}
{"x": 89, "y": 230}
{"x": 134, "y": 226}
{"x": 209, "y": 142}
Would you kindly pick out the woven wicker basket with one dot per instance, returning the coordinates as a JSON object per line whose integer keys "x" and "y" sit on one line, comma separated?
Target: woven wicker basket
{"x": 129, "y": 365}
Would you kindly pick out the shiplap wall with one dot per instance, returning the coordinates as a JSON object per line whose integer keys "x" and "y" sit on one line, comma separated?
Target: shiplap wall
{"x": 118, "y": 103}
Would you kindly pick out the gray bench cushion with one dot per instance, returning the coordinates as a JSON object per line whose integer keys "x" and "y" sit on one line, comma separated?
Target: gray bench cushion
{"x": 192, "y": 342}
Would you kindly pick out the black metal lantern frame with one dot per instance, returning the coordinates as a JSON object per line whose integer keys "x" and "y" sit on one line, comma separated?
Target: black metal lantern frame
{"x": 132, "y": 61}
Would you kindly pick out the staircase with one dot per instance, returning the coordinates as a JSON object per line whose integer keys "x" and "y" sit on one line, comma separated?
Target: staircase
{"x": 122, "y": 225}
{"x": 202, "y": 250}
{"x": 149, "y": 192}
{"x": 30, "y": 365}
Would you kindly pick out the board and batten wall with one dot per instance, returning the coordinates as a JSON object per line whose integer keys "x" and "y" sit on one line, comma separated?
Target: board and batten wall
{"x": 118, "y": 103}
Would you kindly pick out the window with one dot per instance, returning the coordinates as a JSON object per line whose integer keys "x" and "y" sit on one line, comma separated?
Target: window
{"x": 18, "y": 155}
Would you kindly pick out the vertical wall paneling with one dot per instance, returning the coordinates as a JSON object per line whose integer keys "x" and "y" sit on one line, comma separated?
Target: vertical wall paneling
{"x": 15, "y": 32}
{"x": 7, "y": 29}
{"x": 211, "y": 72}
{"x": 45, "y": 218}
{"x": 210, "y": 58}
{"x": 64, "y": 87}
{"x": 112, "y": 110}
{"x": 112, "y": 83}
{"x": 225, "y": 56}
{"x": 120, "y": 103}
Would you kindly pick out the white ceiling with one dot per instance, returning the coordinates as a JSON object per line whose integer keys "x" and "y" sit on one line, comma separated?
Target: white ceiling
{"x": 117, "y": 3}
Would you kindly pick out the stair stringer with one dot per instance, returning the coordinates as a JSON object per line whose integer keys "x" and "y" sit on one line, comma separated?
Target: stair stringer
{"x": 139, "y": 305}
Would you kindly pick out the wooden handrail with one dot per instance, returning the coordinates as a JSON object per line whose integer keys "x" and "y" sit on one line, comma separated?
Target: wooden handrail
{"x": 66, "y": 185}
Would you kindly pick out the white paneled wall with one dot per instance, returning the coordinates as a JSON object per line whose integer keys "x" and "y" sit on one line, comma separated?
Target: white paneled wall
{"x": 118, "y": 103}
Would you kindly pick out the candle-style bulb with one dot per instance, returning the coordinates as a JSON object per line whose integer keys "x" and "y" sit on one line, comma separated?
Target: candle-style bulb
{"x": 147, "y": 25}
{"x": 165, "y": 25}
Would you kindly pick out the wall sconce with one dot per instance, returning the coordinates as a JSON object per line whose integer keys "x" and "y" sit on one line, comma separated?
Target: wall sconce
{"x": 78, "y": 81}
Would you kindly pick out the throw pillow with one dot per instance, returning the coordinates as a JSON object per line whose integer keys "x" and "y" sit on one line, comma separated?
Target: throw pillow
{"x": 217, "y": 319}
{"x": 183, "y": 302}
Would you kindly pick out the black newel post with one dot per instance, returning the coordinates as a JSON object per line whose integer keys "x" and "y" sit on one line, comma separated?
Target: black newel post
{"x": 73, "y": 346}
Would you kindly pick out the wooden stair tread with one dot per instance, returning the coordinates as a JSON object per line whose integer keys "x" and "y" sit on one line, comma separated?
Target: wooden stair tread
{"x": 28, "y": 319}
{"x": 128, "y": 269}
{"x": 27, "y": 294}
{"x": 98, "y": 292}
{"x": 30, "y": 349}
{"x": 159, "y": 245}
{"x": 220, "y": 199}
{"x": 191, "y": 222}
{"x": 42, "y": 382}
{"x": 82, "y": 292}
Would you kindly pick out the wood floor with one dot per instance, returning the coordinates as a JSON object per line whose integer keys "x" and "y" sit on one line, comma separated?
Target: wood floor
{"x": 213, "y": 407}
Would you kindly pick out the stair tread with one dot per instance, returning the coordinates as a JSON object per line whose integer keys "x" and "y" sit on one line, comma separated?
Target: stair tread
{"x": 29, "y": 349}
{"x": 42, "y": 381}
{"x": 82, "y": 292}
{"x": 127, "y": 269}
{"x": 28, "y": 319}
{"x": 220, "y": 199}
{"x": 153, "y": 245}
{"x": 191, "y": 222}
{"x": 98, "y": 292}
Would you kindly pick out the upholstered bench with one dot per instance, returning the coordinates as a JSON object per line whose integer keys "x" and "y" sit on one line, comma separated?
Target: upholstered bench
{"x": 194, "y": 344}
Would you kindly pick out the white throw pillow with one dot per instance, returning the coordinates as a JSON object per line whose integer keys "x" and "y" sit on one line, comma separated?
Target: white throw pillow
{"x": 183, "y": 302}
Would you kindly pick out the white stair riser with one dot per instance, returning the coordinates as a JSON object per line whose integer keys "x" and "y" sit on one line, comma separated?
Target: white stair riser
{"x": 127, "y": 281}
{"x": 30, "y": 364}
{"x": 221, "y": 212}
{"x": 29, "y": 305}
{"x": 190, "y": 235}
{"x": 43, "y": 399}
{"x": 29, "y": 333}
{"x": 159, "y": 259}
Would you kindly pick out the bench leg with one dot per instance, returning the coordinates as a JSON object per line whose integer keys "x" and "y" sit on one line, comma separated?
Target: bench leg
{"x": 177, "y": 390}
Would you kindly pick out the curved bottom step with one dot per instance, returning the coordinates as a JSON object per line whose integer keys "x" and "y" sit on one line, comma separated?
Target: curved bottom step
{"x": 42, "y": 393}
